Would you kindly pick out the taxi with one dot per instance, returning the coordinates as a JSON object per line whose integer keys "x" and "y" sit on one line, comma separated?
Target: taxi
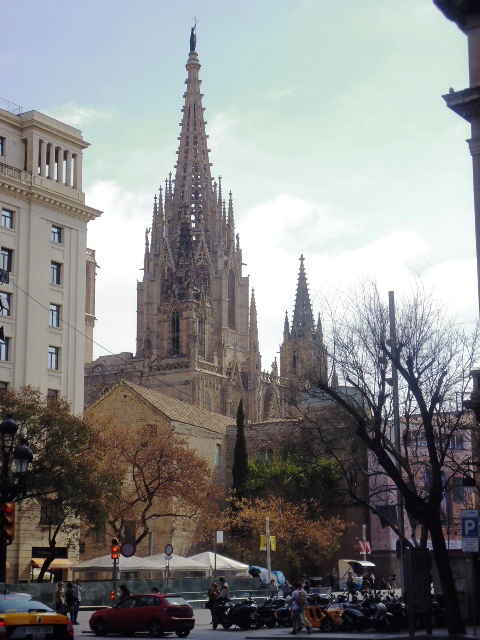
{"x": 23, "y": 616}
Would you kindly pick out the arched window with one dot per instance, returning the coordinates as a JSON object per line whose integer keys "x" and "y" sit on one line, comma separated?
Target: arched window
{"x": 201, "y": 336}
{"x": 231, "y": 300}
{"x": 175, "y": 333}
{"x": 294, "y": 362}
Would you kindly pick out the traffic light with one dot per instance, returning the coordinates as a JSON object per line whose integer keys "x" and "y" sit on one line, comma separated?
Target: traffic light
{"x": 115, "y": 549}
{"x": 112, "y": 595}
{"x": 8, "y": 532}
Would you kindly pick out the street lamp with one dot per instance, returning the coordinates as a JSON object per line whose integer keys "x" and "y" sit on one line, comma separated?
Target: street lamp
{"x": 10, "y": 489}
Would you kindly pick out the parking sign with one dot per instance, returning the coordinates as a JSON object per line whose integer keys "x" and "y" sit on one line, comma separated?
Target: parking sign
{"x": 470, "y": 530}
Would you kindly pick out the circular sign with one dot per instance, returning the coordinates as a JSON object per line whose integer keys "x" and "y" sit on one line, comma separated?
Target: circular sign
{"x": 168, "y": 550}
{"x": 128, "y": 549}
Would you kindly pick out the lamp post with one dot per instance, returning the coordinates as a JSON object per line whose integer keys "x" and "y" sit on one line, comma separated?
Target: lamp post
{"x": 9, "y": 488}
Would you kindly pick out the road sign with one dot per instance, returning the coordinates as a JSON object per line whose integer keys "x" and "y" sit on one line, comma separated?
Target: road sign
{"x": 128, "y": 549}
{"x": 168, "y": 550}
{"x": 470, "y": 530}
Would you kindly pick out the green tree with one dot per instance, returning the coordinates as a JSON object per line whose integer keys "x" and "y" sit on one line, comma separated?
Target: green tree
{"x": 240, "y": 456}
{"x": 70, "y": 478}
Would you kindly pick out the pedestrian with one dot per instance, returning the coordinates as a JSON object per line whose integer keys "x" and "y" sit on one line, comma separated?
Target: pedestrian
{"x": 124, "y": 593}
{"x": 351, "y": 585}
{"x": 373, "y": 582}
{"x": 335, "y": 579}
{"x": 366, "y": 584}
{"x": 298, "y": 606}
{"x": 77, "y": 587}
{"x": 59, "y": 598}
{"x": 220, "y": 600}
{"x": 212, "y": 595}
{"x": 70, "y": 600}
{"x": 393, "y": 580}
{"x": 272, "y": 590}
{"x": 287, "y": 589}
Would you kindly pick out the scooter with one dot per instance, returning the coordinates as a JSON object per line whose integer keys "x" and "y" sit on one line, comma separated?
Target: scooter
{"x": 243, "y": 614}
{"x": 370, "y": 615}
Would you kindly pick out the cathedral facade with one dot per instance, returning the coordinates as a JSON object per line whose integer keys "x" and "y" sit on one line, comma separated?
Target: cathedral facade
{"x": 197, "y": 333}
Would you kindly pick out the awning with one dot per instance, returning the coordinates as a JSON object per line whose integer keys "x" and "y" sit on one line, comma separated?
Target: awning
{"x": 58, "y": 563}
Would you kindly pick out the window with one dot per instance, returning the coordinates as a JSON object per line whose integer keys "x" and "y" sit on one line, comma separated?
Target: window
{"x": 218, "y": 450}
{"x": 2, "y": 146}
{"x": 54, "y": 320}
{"x": 5, "y": 303}
{"x": 52, "y": 395}
{"x": 6, "y": 259}
{"x": 3, "y": 386}
{"x": 175, "y": 333}
{"x": 231, "y": 300}
{"x": 51, "y": 513}
{"x": 4, "y": 349}
{"x": 57, "y": 234}
{"x": 7, "y": 219}
{"x": 456, "y": 441}
{"x": 55, "y": 273}
{"x": 458, "y": 491}
{"x": 201, "y": 336}
{"x": 53, "y": 358}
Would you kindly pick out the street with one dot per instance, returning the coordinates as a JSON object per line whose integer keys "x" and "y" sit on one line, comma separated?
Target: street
{"x": 203, "y": 630}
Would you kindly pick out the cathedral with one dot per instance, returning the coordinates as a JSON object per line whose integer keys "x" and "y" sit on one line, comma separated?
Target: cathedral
{"x": 197, "y": 333}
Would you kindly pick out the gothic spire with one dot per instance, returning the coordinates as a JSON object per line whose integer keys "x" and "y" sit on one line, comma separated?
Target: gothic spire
{"x": 193, "y": 180}
{"x": 303, "y": 324}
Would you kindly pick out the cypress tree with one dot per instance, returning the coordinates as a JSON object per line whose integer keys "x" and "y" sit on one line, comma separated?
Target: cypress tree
{"x": 240, "y": 456}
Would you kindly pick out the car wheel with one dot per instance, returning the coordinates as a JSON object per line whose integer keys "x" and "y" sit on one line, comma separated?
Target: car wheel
{"x": 182, "y": 633}
{"x": 226, "y": 625}
{"x": 100, "y": 628}
{"x": 155, "y": 629}
{"x": 327, "y": 625}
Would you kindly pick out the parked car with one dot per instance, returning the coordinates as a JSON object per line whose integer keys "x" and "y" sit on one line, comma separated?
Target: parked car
{"x": 22, "y": 615}
{"x": 152, "y": 612}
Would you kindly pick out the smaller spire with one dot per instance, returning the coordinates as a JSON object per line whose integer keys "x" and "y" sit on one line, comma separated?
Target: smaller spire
{"x": 286, "y": 327}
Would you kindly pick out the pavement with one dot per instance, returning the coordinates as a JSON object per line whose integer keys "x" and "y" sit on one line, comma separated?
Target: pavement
{"x": 203, "y": 631}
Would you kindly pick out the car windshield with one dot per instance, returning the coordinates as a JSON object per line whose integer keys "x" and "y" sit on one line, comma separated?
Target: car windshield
{"x": 14, "y": 603}
{"x": 176, "y": 600}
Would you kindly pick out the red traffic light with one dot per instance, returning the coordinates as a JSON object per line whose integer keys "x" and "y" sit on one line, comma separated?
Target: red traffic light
{"x": 112, "y": 595}
{"x": 115, "y": 549}
{"x": 8, "y": 532}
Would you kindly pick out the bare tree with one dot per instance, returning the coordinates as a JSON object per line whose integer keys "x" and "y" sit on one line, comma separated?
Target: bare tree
{"x": 433, "y": 358}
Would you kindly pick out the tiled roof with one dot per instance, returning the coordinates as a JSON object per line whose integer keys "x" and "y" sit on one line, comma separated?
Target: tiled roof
{"x": 180, "y": 411}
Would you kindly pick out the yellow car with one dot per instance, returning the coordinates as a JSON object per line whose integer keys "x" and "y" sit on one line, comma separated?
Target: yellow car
{"x": 22, "y": 616}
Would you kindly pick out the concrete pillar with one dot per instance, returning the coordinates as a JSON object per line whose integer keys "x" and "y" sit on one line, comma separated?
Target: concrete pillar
{"x": 43, "y": 158}
{"x": 77, "y": 172}
{"x": 61, "y": 153}
{"x": 33, "y": 149}
{"x": 68, "y": 180}
{"x": 51, "y": 162}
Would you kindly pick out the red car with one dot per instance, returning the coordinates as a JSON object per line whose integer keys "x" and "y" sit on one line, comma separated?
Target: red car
{"x": 152, "y": 612}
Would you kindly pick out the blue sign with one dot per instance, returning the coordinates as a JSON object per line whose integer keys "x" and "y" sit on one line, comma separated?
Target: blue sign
{"x": 469, "y": 523}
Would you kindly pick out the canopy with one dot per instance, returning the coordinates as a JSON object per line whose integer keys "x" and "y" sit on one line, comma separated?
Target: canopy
{"x": 105, "y": 563}
{"x": 58, "y": 563}
{"x": 223, "y": 563}
{"x": 179, "y": 563}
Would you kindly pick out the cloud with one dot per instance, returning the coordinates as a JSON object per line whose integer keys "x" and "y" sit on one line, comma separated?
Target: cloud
{"x": 220, "y": 129}
{"x": 76, "y": 115}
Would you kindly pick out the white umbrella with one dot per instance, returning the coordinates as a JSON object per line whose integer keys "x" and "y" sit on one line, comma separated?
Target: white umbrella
{"x": 223, "y": 563}
{"x": 179, "y": 563}
{"x": 105, "y": 563}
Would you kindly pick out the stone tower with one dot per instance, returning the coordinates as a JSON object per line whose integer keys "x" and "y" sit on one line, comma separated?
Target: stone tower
{"x": 302, "y": 353}
{"x": 197, "y": 332}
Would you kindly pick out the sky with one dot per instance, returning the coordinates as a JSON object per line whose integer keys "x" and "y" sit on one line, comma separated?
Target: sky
{"x": 325, "y": 120}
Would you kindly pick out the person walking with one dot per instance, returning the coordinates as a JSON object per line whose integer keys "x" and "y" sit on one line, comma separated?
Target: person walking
{"x": 77, "y": 587}
{"x": 59, "y": 598}
{"x": 351, "y": 585}
{"x": 220, "y": 600}
{"x": 212, "y": 595}
{"x": 299, "y": 605}
{"x": 124, "y": 593}
{"x": 393, "y": 580}
{"x": 70, "y": 600}
{"x": 272, "y": 590}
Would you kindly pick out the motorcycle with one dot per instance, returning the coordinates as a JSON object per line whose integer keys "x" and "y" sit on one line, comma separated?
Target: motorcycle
{"x": 243, "y": 614}
{"x": 369, "y": 615}
{"x": 267, "y": 613}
